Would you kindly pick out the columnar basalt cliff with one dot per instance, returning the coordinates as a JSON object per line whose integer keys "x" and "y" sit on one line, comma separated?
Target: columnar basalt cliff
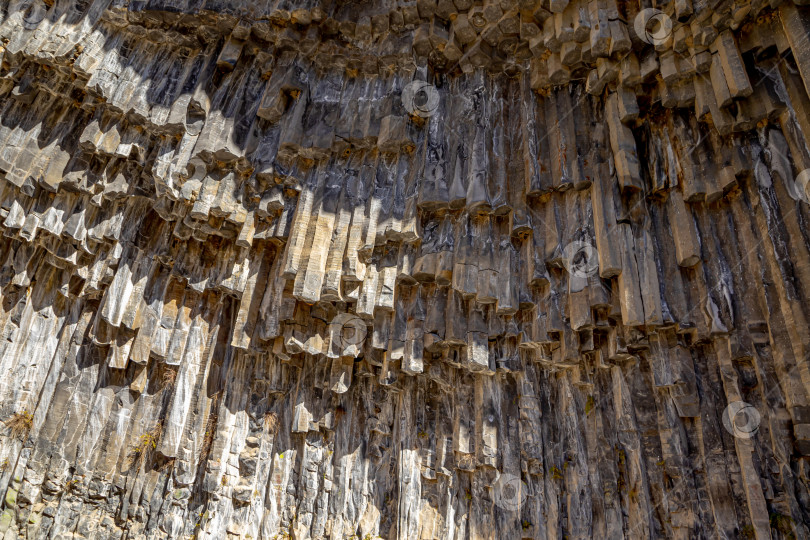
{"x": 432, "y": 269}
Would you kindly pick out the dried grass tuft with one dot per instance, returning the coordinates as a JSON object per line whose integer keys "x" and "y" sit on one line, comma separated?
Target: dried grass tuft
{"x": 271, "y": 422}
{"x": 466, "y": 461}
{"x": 167, "y": 377}
{"x": 20, "y": 424}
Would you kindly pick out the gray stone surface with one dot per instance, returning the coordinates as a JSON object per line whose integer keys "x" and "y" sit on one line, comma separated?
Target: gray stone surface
{"x": 404, "y": 270}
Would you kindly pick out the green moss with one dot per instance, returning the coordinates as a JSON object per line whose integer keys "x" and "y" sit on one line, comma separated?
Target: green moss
{"x": 6, "y": 519}
{"x": 589, "y": 404}
{"x": 782, "y": 523}
{"x": 11, "y": 497}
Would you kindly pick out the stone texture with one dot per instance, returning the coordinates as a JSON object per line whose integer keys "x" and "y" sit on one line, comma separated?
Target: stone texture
{"x": 256, "y": 284}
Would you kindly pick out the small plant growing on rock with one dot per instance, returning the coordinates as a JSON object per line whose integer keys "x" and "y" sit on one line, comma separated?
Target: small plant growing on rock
{"x": 20, "y": 424}
{"x": 198, "y": 524}
{"x": 146, "y": 445}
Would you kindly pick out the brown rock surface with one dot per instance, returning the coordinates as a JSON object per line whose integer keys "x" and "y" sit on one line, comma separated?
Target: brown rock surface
{"x": 404, "y": 270}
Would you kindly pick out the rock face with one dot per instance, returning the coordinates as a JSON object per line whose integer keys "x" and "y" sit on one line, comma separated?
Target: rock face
{"x": 396, "y": 269}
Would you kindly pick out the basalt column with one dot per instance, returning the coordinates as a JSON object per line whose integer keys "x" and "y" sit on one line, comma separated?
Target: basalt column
{"x": 397, "y": 269}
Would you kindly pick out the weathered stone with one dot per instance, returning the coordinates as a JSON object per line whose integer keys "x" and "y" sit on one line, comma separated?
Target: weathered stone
{"x": 440, "y": 269}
